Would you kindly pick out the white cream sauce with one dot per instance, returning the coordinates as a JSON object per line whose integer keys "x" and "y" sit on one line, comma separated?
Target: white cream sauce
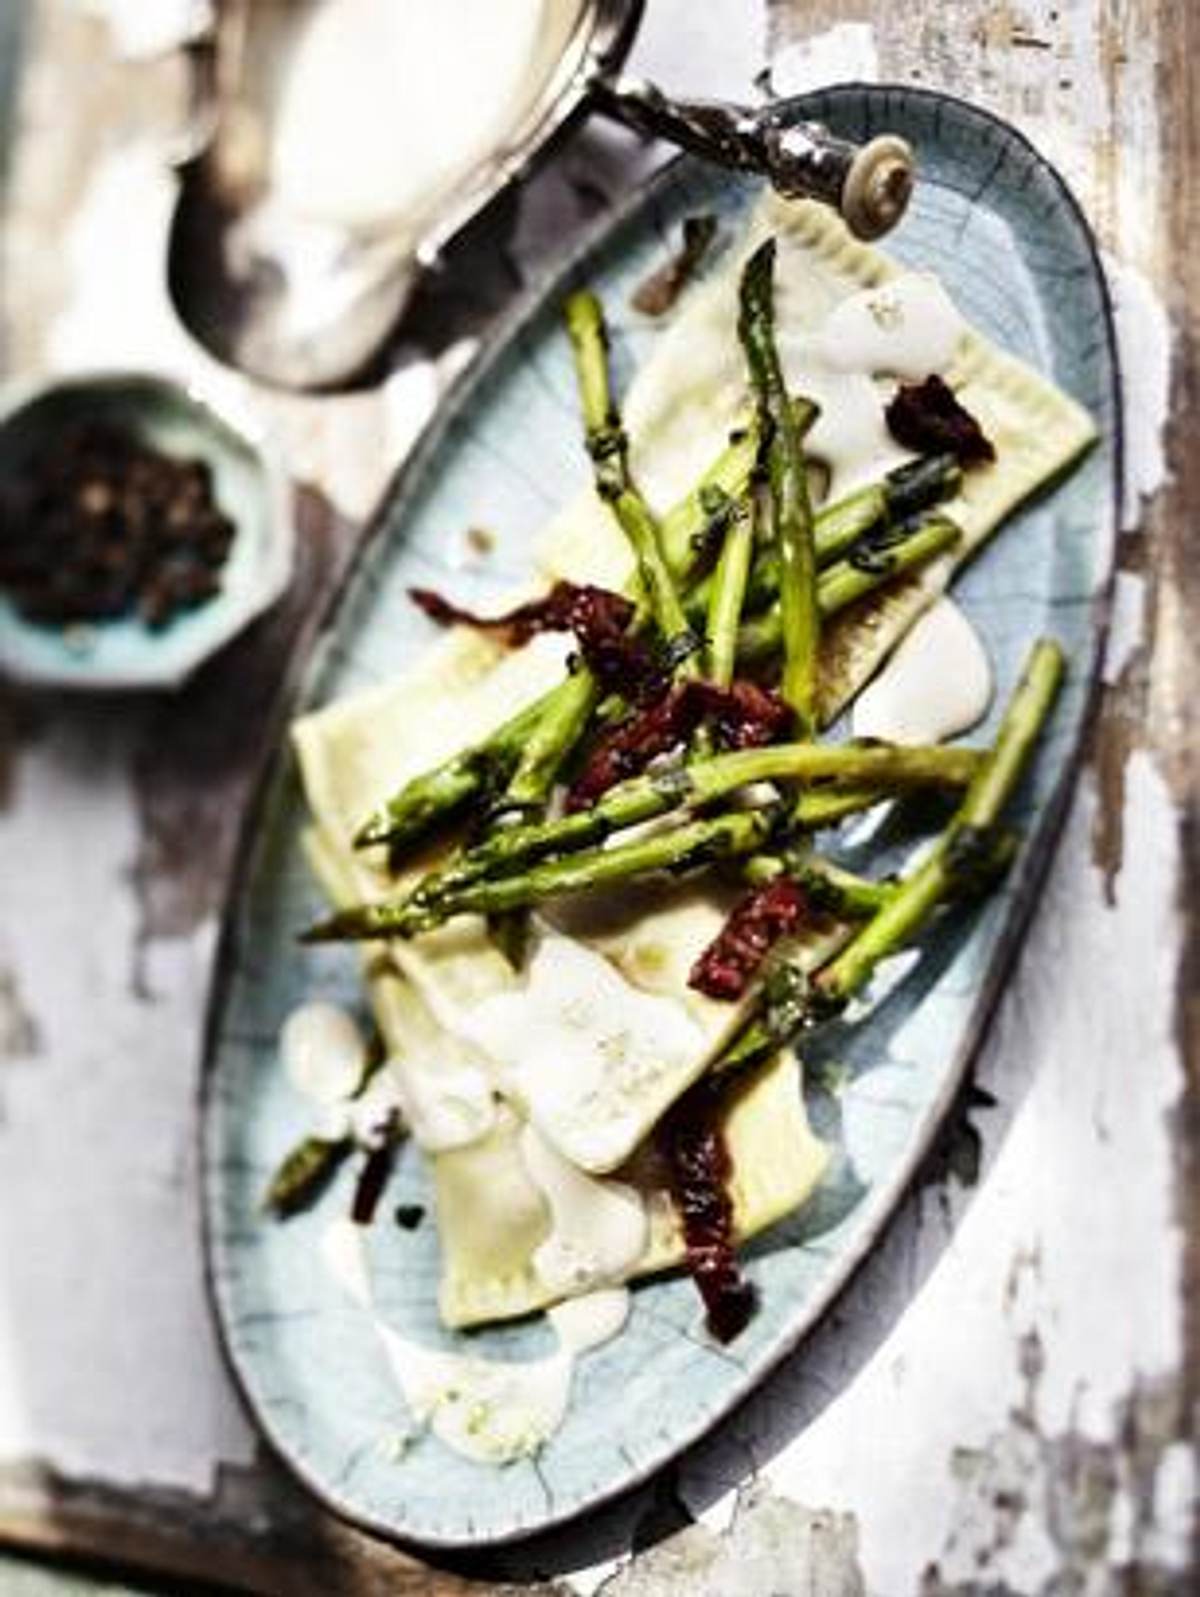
{"x": 850, "y": 436}
{"x": 323, "y": 1052}
{"x": 938, "y": 682}
{"x": 597, "y": 1225}
{"x": 488, "y": 1410}
{"x": 584, "y": 1050}
{"x": 325, "y": 1056}
{"x": 446, "y": 1098}
{"x": 587, "y": 1322}
{"x": 366, "y": 1118}
{"x": 907, "y": 329}
{"x": 343, "y": 1250}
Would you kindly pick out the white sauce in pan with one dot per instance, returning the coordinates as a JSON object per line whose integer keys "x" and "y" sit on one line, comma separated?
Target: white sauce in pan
{"x": 382, "y": 106}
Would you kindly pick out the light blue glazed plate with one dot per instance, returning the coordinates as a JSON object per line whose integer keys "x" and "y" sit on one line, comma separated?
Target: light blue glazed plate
{"x": 1004, "y": 234}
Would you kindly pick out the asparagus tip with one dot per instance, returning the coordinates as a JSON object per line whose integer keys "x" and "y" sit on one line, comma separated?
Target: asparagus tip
{"x": 373, "y": 830}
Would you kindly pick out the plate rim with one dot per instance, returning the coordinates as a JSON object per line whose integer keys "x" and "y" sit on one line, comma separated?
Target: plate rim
{"x": 297, "y": 689}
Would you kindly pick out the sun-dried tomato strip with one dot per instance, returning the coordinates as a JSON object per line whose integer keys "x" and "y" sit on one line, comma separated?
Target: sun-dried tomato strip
{"x": 632, "y": 744}
{"x": 599, "y": 619}
{"x": 371, "y": 1181}
{"x": 699, "y": 1167}
{"x": 742, "y": 716}
{"x": 928, "y": 418}
{"x": 735, "y": 955}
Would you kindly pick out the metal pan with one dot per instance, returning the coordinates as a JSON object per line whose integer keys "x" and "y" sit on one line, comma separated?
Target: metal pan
{"x": 308, "y": 304}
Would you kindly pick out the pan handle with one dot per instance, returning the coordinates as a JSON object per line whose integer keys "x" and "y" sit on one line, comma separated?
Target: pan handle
{"x": 869, "y": 184}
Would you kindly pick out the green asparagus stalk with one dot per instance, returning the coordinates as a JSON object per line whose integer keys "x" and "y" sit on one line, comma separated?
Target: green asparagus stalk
{"x": 696, "y": 843}
{"x": 791, "y": 512}
{"x": 826, "y": 806}
{"x": 438, "y": 794}
{"x": 847, "y": 581}
{"x": 728, "y": 593}
{"x": 551, "y": 740}
{"x": 305, "y": 1173}
{"x": 687, "y": 526}
{"x": 831, "y": 887}
{"x": 971, "y": 851}
{"x": 509, "y": 849}
{"x": 609, "y": 450}
{"x": 644, "y": 798}
{"x": 901, "y": 496}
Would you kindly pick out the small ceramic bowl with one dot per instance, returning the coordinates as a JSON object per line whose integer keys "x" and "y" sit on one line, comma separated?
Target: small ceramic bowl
{"x": 249, "y": 485}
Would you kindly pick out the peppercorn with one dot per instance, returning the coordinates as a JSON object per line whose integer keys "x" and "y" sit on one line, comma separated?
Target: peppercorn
{"x": 96, "y": 525}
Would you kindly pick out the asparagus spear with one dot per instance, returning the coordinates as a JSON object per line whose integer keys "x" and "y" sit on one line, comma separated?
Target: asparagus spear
{"x": 833, "y": 888}
{"x": 845, "y": 582}
{"x": 509, "y": 849}
{"x": 556, "y": 732}
{"x": 901, "y": 496}
{"x": 728, "y": 593}
{"x": 791, "y": 513}
{"x": 439, "y": 794}
{"x": 609, "y": 449}
{"x": 702, "y": 782}
{"x": 687, "y": 527}
{"x": 826, "y": 806}
{"x": 695, "y": 843}
{"x": 972, "y": 849}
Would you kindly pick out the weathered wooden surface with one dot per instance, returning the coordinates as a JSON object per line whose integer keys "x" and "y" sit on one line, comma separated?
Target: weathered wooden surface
{"x": 1004, "y": 1401}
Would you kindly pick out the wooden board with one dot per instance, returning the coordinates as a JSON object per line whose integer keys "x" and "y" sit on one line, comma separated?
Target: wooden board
{"x": 1007, "y": 1388}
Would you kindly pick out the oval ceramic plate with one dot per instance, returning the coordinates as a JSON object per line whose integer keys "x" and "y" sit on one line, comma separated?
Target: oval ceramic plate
{"x": 1009, "y": 242}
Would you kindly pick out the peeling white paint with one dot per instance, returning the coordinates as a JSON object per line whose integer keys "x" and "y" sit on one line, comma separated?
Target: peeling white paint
{"x": 101, "y": 1294}
{"x": 711, "y": 51}
{"x": 845, "y": 53}
{"x": 1144, "y": 346}
{"x": 142, "y": 29}
{"x": 1127, "y": 624}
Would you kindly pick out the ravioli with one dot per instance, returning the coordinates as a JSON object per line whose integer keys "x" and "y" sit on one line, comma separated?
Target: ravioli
{"x": 491, "y": 1216}
{"x": 354, "y": 754}
{"x": 682, "y": 405}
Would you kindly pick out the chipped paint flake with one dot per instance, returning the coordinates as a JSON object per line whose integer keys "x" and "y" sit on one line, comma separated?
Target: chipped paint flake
{"x": 1127, "y": 624}
{"x": 770, "y": 1548}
